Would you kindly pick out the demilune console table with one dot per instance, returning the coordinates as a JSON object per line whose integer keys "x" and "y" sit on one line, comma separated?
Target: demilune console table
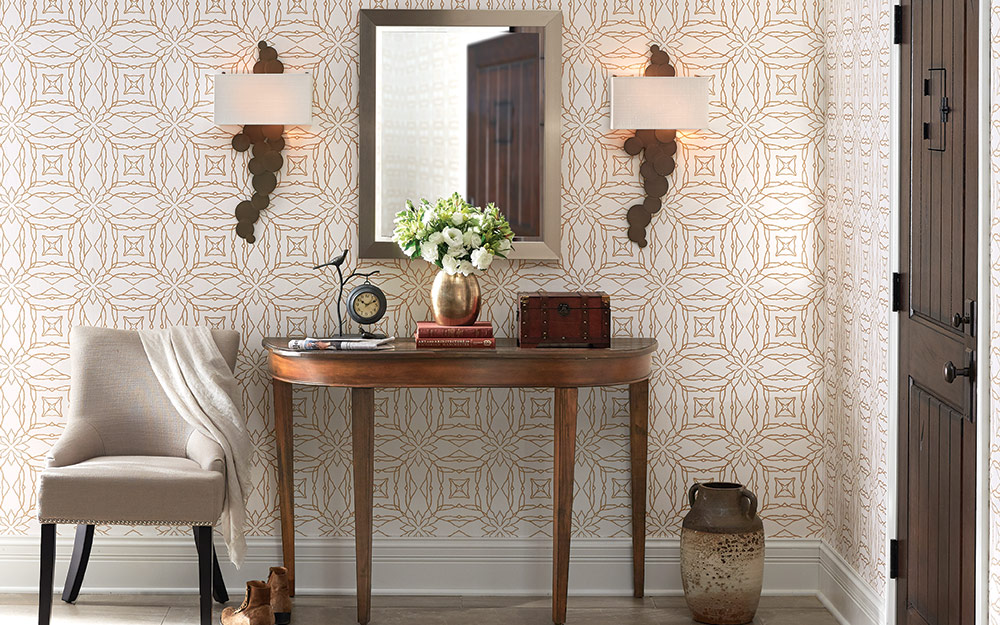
{"x": 627, "y": 361}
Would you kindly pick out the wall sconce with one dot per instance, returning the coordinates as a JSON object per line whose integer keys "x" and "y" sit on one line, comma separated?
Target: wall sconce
{"x": 656, "y": 106}
{"x": 264, "y": 102}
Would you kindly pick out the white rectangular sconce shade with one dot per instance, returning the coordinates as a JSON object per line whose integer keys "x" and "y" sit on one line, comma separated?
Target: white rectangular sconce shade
{"x": 284, "y": 99}
{"x": 659, "y": 102}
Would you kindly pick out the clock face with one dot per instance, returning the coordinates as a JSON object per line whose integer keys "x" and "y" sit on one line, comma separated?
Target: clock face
{"x": 366, "y": 304}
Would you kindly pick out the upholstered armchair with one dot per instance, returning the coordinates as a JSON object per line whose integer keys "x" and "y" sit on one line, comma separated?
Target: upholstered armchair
{"x": 127, "y": 457}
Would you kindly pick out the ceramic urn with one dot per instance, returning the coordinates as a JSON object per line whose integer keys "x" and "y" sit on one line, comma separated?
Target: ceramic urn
{"x": 722, "y": 554}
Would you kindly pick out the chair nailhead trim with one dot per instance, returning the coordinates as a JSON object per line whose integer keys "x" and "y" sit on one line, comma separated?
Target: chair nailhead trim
{"x": 107, "y": 522}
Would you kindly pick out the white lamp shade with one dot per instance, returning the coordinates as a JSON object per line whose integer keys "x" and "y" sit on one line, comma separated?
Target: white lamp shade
{"x": 659, "y": 102}
{"x": 284, "y": 99}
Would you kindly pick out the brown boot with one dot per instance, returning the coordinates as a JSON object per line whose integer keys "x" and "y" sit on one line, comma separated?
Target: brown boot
{"x": 256, "y": 608}
{"x": 281, "y": 602}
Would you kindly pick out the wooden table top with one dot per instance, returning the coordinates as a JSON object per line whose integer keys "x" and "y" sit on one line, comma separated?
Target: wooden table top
{"x": 505, "y": 348}
{"x": 627, "y": 360}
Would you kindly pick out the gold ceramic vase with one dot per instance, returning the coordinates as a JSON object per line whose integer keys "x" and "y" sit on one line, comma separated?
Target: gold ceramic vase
{"x": 455, "y": 300}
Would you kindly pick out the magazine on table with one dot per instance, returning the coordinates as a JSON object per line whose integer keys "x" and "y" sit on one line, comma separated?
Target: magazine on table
{"x": 341, "y": 343}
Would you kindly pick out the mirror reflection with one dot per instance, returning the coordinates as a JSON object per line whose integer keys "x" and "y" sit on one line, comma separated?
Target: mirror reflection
{"x": 459, "y": 109}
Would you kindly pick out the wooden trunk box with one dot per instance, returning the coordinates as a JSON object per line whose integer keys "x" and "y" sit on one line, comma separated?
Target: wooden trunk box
{"x": 554, "y": 319}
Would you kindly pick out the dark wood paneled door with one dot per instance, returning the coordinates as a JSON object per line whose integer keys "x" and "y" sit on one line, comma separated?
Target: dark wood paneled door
{"x": 938, "y": 324}
{"x": 504, "y": 128}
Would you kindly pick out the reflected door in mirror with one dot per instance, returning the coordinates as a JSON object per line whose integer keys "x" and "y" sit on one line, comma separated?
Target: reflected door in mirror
{"x": 504, "y": 156}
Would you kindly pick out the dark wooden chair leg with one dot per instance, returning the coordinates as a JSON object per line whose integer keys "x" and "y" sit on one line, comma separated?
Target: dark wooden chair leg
{"x": 203, "y": 541}
{"x": 46, "y": 568}
{"x": 218, "y": 584}
{"x": 219, "y": 591}
{"x": 78, "y": 565}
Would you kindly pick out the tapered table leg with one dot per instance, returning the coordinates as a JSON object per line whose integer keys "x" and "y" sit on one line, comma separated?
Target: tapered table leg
{"x": 565, "y": 453}
{"x": 286, "y": 497}
{"x": 638, "y": 402}
{"x": 363, "y": 433}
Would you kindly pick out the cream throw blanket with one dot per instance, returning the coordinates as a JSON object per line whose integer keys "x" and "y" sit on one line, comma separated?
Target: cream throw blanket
{"x": 202, "y": 388}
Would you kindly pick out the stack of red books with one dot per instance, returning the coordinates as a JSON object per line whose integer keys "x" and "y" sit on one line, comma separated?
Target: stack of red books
{"x": 430, "y": 334}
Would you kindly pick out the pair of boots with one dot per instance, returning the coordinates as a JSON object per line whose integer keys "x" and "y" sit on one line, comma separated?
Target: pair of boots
{"x": 266, "y": 603}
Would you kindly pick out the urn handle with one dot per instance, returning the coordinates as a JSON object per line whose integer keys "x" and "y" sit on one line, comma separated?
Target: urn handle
{"x": 752, "y": 499}
{"x": 693, "y": 492}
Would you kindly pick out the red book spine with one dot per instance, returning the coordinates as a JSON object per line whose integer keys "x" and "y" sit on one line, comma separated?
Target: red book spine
{"x": 473, "y": 342}
{"x": 427, "y": 330}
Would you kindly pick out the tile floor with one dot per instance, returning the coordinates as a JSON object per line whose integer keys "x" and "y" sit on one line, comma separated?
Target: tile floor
{"x": 97, "y": 609}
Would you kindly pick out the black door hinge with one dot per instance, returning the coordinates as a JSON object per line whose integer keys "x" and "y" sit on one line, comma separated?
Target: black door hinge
{"x": 893, "y": 559}
{"x": 897, "y": 292}
{"x": 897, "y": 23}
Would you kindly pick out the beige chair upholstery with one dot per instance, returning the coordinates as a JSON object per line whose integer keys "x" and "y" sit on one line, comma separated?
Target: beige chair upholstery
{"x": 126, "y": 456}
{"x": 133, "y": 490}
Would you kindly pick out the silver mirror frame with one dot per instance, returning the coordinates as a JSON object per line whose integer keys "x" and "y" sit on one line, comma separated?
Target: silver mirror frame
{"x": 546, "y": 247}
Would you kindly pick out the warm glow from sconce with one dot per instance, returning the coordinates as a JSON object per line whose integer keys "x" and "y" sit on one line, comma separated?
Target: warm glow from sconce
{"x": 266, "y": 99}
{"x": 659, "y": 102}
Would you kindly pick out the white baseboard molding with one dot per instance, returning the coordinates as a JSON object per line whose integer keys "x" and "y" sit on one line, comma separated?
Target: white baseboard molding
{"x": 414, "y": 566}
{"x": 851, "y": 600}
{"x": 470, "y": 566}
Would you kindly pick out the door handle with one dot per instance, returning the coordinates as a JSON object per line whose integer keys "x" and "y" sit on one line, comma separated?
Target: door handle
{"x": 951, "y": 372}
{"x": 966, "y": 317}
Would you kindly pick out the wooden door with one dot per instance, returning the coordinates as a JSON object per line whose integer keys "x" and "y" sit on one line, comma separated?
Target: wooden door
{"x": 504, "y": 128}
{"x": 938, "y": 265}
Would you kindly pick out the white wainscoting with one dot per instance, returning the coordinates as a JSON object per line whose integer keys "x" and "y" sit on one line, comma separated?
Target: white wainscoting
{"x": 412, "y": 566}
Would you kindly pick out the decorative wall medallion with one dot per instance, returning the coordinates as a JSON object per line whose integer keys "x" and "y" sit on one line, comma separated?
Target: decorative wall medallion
{"x": 266, "y": 143}
{"x": 658, "y": 148}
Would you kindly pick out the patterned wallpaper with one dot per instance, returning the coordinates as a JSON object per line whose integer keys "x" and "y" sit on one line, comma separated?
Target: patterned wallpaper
{"x": 993, "y": 581}
{"x": 858, "y": 307}
{"x": 116, "y": 209}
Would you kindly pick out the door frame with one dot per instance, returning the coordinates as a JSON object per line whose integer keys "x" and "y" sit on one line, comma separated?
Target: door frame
{"x": 983, "y": 390}
{"x": 983, "y": 361}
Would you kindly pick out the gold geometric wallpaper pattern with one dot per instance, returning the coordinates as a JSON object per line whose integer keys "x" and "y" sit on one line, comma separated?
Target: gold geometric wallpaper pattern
{"x": 859, "y": 264}
{"x": 116, "y": 210}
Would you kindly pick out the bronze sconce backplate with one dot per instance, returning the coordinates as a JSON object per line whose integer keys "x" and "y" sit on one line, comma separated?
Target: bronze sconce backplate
{"x": 658, "y": 148}
{"x": 267, "y": 143}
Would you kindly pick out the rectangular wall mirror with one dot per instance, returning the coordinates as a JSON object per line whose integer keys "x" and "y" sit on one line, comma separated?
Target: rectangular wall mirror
{"x": 461, "y": 101}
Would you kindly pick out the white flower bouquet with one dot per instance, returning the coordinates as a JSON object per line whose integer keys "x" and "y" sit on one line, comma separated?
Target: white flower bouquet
{"x": 453, "y": 234}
